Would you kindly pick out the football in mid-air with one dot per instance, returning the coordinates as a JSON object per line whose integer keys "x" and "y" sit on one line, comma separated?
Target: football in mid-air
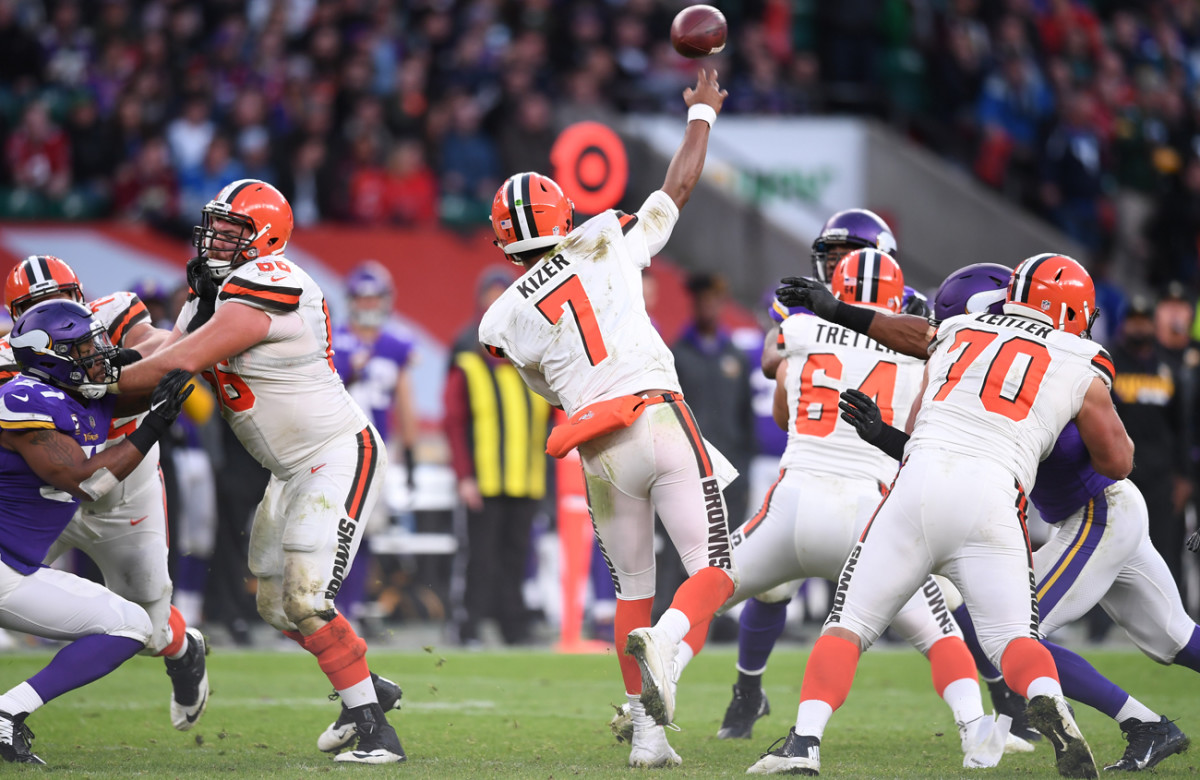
{"x": 698, "y": 31}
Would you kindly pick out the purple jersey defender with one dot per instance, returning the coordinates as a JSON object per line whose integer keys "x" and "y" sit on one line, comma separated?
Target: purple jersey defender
{"x": 32, "y": 514}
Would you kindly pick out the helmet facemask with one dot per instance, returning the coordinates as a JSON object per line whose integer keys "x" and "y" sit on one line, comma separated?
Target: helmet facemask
{"x": 204, "y": 234}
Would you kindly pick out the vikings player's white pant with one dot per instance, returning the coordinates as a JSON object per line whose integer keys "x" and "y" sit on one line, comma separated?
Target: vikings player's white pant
{"x": 125, "y": 534}
{"x": 307, "y": 529}
{"x": 806, "y": 527}
{"x": 960, "y": 517}
{"x": 660, "y": 463}
{"x": 1102, "y": 555}
{"x": 58, "y": 605}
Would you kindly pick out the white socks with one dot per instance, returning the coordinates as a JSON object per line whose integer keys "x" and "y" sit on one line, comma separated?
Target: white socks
{"x": 22, "y": 698}
{"x": 683, "y": 656}
{"x": 674, "y": 625}
{"x": 962, "y": 697}
{"x": 1044, "y": 686}
{"x": 811, "y": 718}
{"x": 1132, "y": 708}
{"x": 359, "y": 694}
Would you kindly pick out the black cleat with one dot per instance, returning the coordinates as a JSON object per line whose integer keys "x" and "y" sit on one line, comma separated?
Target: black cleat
{"x": 189, "y": 682}
{"x": 377, "y": 740}
{"x": 342, "y": 731}
{"x": 748, "y": 705}
{"x": 1149, "y": 743}
{"x": 798, "y": 755}
{"x": 16, "y": 740}
{"x": 1006, "y": 701}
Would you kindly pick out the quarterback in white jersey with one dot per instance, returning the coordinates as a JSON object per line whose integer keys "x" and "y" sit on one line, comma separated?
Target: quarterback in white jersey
{"x": 258, "y": 328}
{"x": 999, "y": 389}
{"x": 125, "y": 531}
{"x": 829, "y": 484}
{"x": 575, "y": 326}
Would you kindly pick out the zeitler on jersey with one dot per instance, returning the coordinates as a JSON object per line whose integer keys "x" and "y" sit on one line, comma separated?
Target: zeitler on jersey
{"x": 575, "y": 327}
{"x": 1101, "y": 554}
{"x": 1008, "y": 389}
{"x": 49, "y": 462}
{"x": 258, "y": 327}
{"x": 125, "y": 531}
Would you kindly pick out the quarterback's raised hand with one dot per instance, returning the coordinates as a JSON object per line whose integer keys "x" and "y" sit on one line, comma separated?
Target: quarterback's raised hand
{"x": 810, "y": 294}
{"x": 707, "y": 91}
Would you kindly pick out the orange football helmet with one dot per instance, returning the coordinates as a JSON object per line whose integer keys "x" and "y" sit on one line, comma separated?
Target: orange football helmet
{"x": 262, "y": 213}
{"x": 529, "y": 212}
{"x": 1054, "y": 289}
{"x": 869, "y": 277}
{"x": 36, "y": 278}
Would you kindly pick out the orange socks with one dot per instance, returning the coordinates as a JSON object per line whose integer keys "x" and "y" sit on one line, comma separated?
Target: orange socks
{"x": 1024, "y": 661}
{"x": 697, "y": 636}
{"x": 830, "y": 671}
{"x": 950, "y": 660}
{"x": 631, "y": 614}
{"x": 178, "y": 633}
{"x": 341, "y": 653}
{"x": 702, "y": 594}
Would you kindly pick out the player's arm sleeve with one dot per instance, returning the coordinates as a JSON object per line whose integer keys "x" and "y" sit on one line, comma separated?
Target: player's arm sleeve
{"x": 128, "y": 312}
{"x": 653, "y": 222}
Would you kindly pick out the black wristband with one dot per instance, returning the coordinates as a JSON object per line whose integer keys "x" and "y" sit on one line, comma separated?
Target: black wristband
{"x": 891, "y": 441}
{"x": 856, "y": 318}
{"x": 410, "y": 465}
{"x": 148, "y": 433}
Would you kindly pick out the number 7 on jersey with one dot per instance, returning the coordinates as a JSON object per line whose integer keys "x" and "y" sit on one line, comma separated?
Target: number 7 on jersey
{"x": 571, "y": 295}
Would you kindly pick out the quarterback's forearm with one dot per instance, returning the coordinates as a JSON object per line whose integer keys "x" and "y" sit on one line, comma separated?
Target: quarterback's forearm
{"x": 686, "y": 166}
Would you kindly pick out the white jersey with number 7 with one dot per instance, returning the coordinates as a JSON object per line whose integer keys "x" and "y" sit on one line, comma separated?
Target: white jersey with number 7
{"x": 575, "y": 325}
{"x": 1002, "y": 387}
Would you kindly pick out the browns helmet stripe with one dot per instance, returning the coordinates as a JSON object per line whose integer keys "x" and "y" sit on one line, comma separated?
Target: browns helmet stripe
{"x": 518, "y": 218}
{"x": 44, "y": 267}
{"x": 232, "y": 190}
{"x": 1021, "y": 280}
{"x": 527, "y": 205}
{"x": 868, "y": 269}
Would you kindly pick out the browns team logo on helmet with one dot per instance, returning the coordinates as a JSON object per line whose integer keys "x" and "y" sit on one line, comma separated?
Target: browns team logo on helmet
{"x": 36, "y": 278}
{"x": 530, "y": 211}
{"x": 260, "y": 213}
{"x": 1054, "y": 289}
{"x": 871, "y": 278}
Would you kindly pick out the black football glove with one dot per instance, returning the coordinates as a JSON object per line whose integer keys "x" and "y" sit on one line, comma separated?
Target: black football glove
{"x": 860, "y": 411}
{"x": 918, "y": 304}
{"x": 1193, "y": 541}
{"x": 863, "y": 413}
{"x": 200, "y": 279}
{"x": 808, "y": 293}
{"x": 166, "y": 402}
{"x": 125, "y": 357}
{"x": 205, "y": 288}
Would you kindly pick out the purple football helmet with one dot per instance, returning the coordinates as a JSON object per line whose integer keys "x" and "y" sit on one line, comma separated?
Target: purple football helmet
{"x": 972, "y": 290}
{"x": 370, "y": 280}
{"x": 60, "y": 342}
{"x": 846, "y": 231}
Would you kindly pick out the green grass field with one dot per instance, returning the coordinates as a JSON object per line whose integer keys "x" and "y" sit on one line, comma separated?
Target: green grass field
{"x": 534, "y": 715}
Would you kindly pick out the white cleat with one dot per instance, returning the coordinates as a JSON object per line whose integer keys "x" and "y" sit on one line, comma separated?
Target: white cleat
{"x": 651, "y": 749}
{"x": 1051, "y": 716}
{"x": 621, "y": 724}
{"x": 799, "y": 755}
{"x": 1014, "y": 744}
{"x": 983, "y": 741}
{"x": 656, "y": 659}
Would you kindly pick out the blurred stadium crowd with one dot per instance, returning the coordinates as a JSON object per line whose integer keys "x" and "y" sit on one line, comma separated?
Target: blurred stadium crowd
{"x": 411, "y": 112}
